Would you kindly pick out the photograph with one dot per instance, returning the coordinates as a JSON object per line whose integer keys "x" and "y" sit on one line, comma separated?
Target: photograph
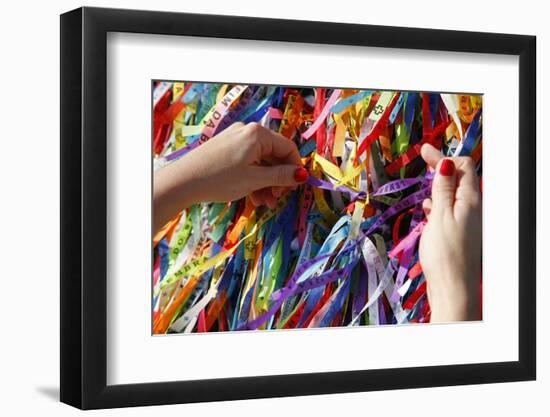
{"x": 281, "y": 207}
{"x": 268, "y": 209}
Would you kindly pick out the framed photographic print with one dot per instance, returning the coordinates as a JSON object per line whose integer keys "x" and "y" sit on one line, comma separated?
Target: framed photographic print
{"x": 255, "y": 207}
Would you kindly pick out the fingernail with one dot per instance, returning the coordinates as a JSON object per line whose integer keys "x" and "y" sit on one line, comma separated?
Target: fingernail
{"x": 301, "y": 175}
{"x": 447, "y": 168}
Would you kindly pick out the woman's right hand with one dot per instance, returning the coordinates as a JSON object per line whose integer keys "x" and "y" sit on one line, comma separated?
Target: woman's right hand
{"x": 450, "y": 245}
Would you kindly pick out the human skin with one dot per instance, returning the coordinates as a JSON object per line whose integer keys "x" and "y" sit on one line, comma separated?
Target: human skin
{"x": 242, "y": 160}
{"x": 450, "y": 245}
{"x": 252, "y": 160}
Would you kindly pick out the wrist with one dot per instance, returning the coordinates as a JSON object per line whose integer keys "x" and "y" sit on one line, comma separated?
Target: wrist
{"x": 454, "y": 300}
{"x": 175, "y": 189}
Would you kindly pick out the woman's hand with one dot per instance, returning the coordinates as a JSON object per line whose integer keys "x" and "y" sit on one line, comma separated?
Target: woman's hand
{"x": 242, "y": 160}
{"x": 450, "y": 246}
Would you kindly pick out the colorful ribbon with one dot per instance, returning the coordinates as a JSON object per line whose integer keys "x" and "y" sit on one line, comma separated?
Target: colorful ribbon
{"x": 342, "y": 249}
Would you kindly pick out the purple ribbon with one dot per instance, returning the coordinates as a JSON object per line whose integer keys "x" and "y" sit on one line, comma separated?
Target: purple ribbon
{"x": 309, "y": 284}
{"x": 258, "y": 321}
{"x": 292, "y": 286}
{"x": 407, "y": 202}
{"x": 325, "y": 185}
{"x": 182, "y": 151}
{"x": 396, "y": 185}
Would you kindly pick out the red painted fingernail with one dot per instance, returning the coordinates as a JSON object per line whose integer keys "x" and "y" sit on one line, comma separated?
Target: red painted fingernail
{"x": 301, "y": 175}
{"x": 447, "y": 168}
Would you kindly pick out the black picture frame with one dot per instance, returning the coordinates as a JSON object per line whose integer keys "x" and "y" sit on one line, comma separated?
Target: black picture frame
{"x": 84, "y": 207}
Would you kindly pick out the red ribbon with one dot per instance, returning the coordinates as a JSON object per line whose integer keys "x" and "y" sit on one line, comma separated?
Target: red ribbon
{"x": 412, "y": 153}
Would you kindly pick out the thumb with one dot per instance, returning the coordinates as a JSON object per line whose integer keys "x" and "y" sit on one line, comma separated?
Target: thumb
{"x": 444, "y": 186}
{"x": 279, "y": 175}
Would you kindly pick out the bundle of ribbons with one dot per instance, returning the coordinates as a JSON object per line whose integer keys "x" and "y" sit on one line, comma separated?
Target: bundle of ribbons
{"x": 341, "y": 250}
